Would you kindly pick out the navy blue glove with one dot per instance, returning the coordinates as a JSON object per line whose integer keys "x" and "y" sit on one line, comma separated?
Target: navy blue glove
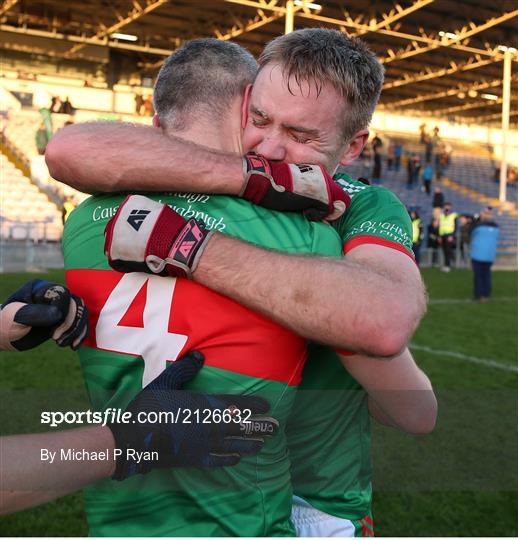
{"x": 41, "y": 310}
{"x": 214, "y": 443}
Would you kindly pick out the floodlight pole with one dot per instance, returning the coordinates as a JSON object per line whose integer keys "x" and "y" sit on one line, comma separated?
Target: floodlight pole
{"x": 290, "y": 17}
{"x": 508, "y": 54}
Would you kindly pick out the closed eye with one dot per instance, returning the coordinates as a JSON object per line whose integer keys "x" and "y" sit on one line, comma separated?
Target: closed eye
{"x": 259, "y": 122}
{"x": 300, "y": 138}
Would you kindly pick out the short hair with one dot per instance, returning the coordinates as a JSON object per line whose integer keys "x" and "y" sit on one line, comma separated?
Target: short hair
{"x": 203, "y": 76}
{"x": 321, "y": 55}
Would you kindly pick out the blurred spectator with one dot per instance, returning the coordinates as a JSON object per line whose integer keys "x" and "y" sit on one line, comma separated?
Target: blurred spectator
{"x": 376, "y": 145}
{"x": 67, "y": 107}
{"x": 442, "y": 158}
{"x": 512, "y": 174}
{"x": 440, "y": 166}
{"x": 148, "y": 106}
{"x": 433, "y": 240}
{"x": 139, "y": 103}
{"x": 427, "y": 178}
{"x": 447, "y": 152}
{"x": 46, "y": 118}
{"x": 437, "y": 158}
{"x": 484, "y": 238}
{"x": 376, "y": 169}
{"x": 68, "y": 207}
{"x": 447, "y": 227}
{"x": 391, "y": 155}
{"x": 398, "y": 152}
{"x": 437, "y": 202}
{"x": 417, "y": 235}
{"x": 422, "y": 133}
{"x": 20, "y": 74}
{"x": 413, "y": 168}
{"x": 366, "y": 162}
{"x": 465, "y": 223}
{"x": 428, "y": 149}
{"x": 42, "y": 138}
{"x": 55, "y": 104}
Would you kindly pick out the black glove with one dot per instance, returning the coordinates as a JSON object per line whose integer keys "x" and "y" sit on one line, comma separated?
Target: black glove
{"x": 38, "y": 311}
{"x": 195, "y": 444}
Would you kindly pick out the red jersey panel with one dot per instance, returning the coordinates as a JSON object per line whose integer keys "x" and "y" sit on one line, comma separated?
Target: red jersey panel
{"x": 162, "y": 318}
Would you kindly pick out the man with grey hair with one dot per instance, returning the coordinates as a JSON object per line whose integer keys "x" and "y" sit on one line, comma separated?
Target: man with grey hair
{"x": 205, "y": 87}
{"x": 348, "y": 303}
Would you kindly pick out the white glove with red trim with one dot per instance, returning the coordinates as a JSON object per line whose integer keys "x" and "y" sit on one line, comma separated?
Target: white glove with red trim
{"x": 147, "y": 236}
{"x": 288, "y": 187}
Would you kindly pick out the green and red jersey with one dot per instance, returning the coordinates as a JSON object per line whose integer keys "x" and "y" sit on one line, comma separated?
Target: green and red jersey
{"x": 329, "y": 428}
{"x": 375, "y": 216}
{"x": 139, "y": 322}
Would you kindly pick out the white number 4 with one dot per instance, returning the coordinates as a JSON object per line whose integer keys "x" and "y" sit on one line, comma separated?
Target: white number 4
{"x": 153, "y": 342}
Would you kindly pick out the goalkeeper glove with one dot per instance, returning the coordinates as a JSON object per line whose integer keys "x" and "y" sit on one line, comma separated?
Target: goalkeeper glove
{"x": 201, "y": 442}
{"x": 38, "y": 311}
{"x": 293, "y": 188}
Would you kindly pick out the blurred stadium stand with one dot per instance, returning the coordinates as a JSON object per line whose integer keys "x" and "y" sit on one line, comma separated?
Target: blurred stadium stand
{"x": 468, "y": 184}
{"x": 26, "y": 212}
{"x": 18, "y": 136}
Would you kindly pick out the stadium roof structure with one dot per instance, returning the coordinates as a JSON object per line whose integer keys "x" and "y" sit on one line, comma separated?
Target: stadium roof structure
{"x": 441, "y": 56}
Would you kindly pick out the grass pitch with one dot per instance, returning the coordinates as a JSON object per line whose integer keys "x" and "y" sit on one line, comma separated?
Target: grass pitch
{"x": 460, "y": 481}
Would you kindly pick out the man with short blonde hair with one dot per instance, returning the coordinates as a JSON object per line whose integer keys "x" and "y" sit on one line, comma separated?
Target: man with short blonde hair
{"x": 324, "y": 56}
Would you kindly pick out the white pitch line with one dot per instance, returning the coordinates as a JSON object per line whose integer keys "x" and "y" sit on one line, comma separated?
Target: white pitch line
{"x": 470, "y": 301}
{"x": 473, "y": 359}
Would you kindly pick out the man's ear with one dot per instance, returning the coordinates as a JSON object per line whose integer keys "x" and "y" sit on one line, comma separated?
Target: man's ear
{"x": 156, "y": 121}
{"x": 355, "y": 147}
{"x": 245, "y": 105}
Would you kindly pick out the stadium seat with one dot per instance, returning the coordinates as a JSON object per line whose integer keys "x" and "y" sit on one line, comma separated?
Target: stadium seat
{"x": 25, "y": 211}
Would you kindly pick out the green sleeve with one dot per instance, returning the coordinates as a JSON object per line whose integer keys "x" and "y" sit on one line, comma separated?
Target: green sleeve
{"x": 375, "y": 216}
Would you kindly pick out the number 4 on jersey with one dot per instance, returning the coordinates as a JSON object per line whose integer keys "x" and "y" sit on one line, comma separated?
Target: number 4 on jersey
{"x": 152, "y": 341}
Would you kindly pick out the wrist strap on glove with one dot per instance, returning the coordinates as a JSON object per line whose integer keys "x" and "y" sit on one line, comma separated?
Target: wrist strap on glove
{"x": 257, "y": 169}
{"x": 184, "y": 255}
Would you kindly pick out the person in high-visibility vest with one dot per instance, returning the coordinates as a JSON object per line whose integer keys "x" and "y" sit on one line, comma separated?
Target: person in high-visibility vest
{"x": 417, "y": 234}
{"x": 447, "y": 225}
{"x": 68, "y": 208}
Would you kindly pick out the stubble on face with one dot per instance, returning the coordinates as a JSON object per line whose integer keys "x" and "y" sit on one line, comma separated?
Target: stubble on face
{"x": 295, "y": 122}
